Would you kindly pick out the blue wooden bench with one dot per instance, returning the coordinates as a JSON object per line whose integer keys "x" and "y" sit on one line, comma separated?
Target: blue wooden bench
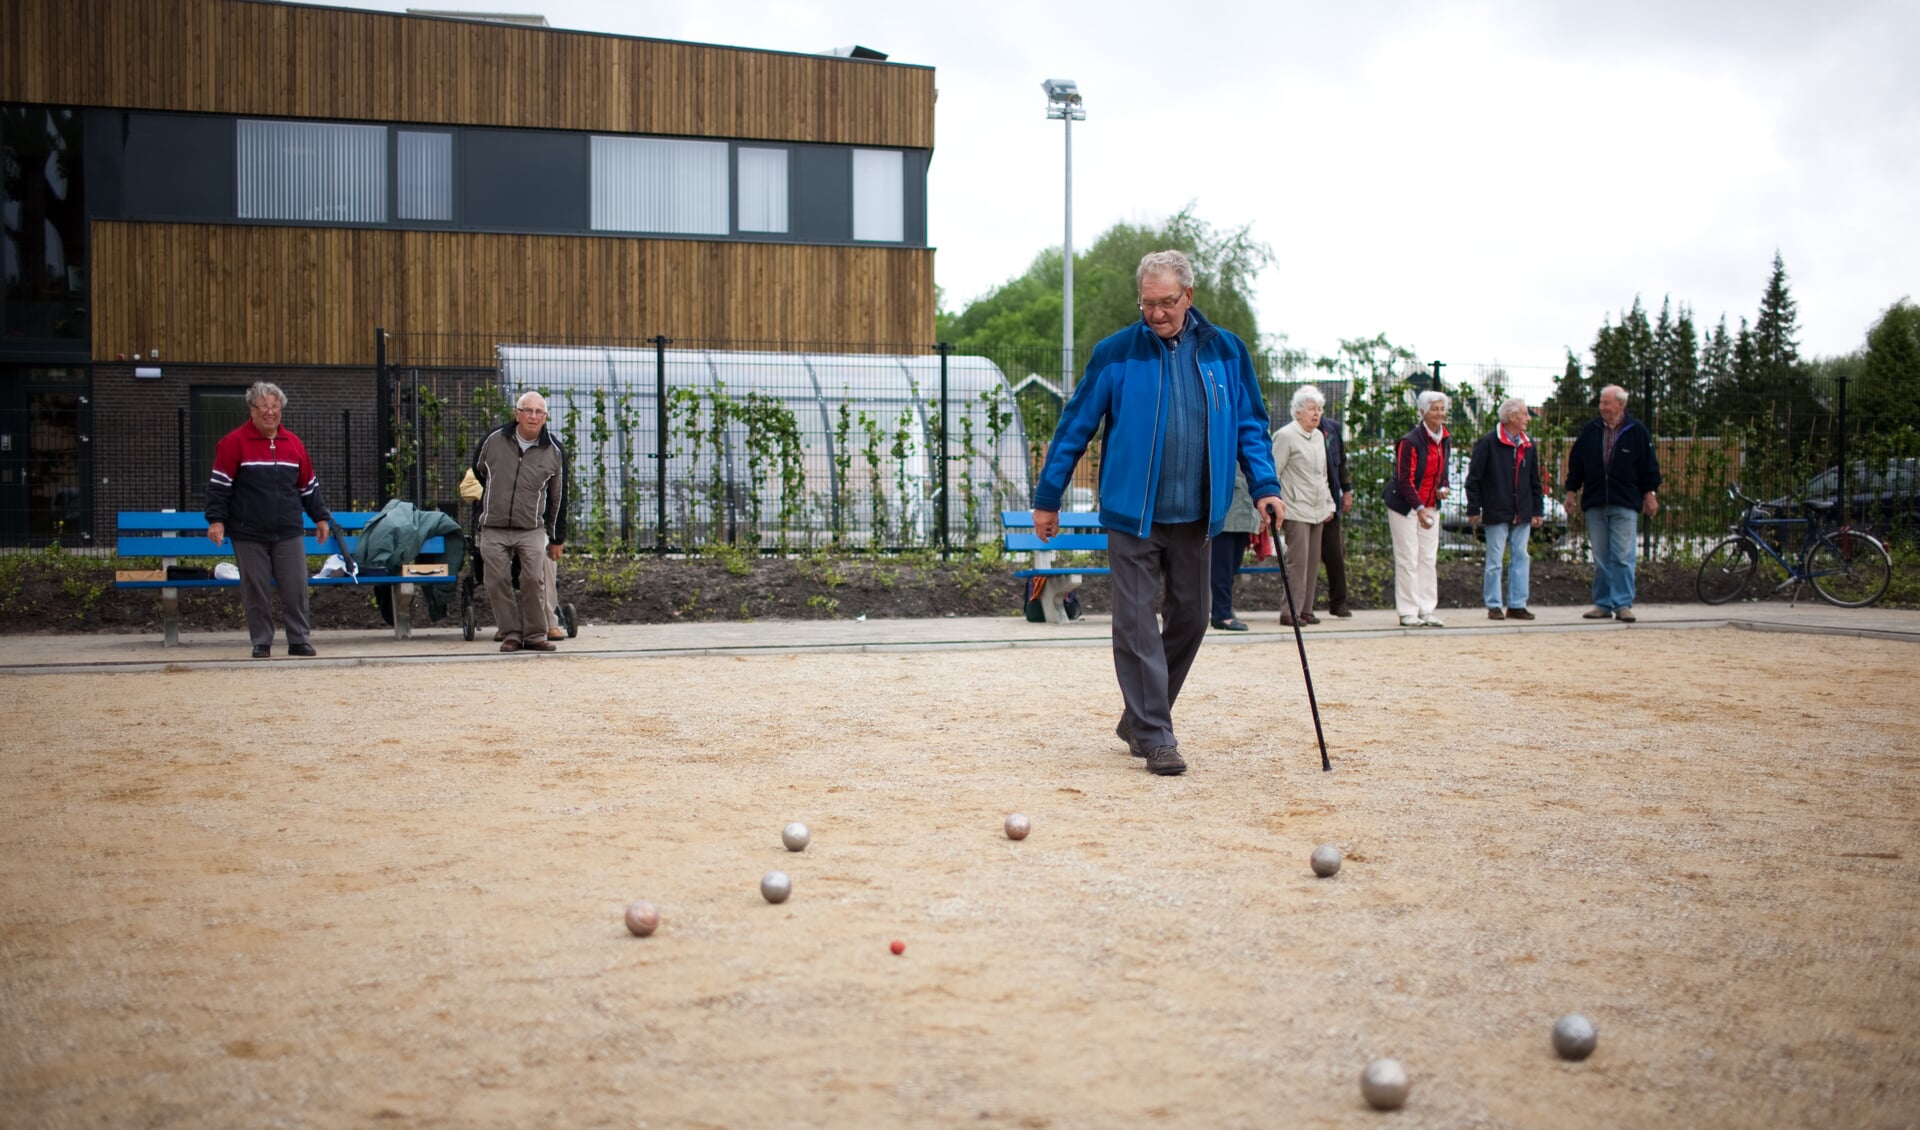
{"x": 1080, "y": 532}
{"x": 172, "y": 536}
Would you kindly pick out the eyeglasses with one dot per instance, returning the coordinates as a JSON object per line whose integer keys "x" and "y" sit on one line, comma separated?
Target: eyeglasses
{"x": 1164, "y": 305}
{"x": 532, "y": 411}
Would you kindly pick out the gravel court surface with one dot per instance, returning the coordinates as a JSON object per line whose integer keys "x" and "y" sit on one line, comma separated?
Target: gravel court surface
{"x": 304, "y": 895}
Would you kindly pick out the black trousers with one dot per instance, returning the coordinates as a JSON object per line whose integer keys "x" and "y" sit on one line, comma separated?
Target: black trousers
{"x": 1333, "y": 554}
{"x": 1151, "y": 658}
{"x": 1229, "y": 549}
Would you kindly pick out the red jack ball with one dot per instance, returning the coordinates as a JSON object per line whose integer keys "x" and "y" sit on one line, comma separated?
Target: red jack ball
{"x": 898, "y": 947}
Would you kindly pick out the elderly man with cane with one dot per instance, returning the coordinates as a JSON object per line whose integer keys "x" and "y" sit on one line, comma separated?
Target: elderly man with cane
{"x": 1179, "y": 405}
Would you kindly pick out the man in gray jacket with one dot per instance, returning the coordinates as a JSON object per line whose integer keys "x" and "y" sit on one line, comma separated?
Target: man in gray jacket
{"x": 522, "y": 516}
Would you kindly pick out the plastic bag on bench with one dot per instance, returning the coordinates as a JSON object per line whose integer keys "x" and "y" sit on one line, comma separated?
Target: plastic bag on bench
{"x": 226, "y": 571}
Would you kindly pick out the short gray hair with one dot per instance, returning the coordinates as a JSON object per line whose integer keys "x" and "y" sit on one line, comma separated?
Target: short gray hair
{"x": 1427, "y": 398}
{"x": 1615, "y": 390}
{"x": 1513, "y": 406}
{"x": 1305, "y": 395}
{"x": 263, "y": 389}
{"x": 521, "y": 400}
{"x": 1164, "y": 263}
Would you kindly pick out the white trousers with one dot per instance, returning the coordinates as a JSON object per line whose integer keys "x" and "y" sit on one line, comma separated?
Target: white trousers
{"x": 1416, "y": 574}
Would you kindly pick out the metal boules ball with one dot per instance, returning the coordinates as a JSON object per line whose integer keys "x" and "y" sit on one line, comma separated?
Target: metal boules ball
{"x": 1327, "y": 860}
{"x": 1574, "y": 1036}
{"x": 1384, "y": 1084}
{"x": 775, "y": 886}
{"x": 1018, "y": 827}
{"x": 796, "y": 836}
{"x": 643, "y": 918}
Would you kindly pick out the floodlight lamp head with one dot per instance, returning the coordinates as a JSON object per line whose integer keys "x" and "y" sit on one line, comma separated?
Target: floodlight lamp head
{"x": 1063, "y": 99}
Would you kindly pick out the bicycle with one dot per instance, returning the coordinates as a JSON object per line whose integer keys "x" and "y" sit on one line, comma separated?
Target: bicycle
{"x": 1845, "y": 566}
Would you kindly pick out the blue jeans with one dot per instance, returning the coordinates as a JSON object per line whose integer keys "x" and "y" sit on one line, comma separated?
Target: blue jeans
{"x": 1612, "y": 529}
{"x": 1503, "y": 537}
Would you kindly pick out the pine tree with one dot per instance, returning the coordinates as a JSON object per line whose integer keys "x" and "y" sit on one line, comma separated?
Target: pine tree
{"x": 1775, "y": 350}
{"x": 1680, "y": 383}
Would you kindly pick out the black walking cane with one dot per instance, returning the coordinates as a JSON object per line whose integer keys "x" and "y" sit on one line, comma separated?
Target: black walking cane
{"x": 1300, "y": 642}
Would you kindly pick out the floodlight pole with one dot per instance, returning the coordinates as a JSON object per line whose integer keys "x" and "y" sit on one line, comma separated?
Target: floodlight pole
{"x": 1063, "y": 103}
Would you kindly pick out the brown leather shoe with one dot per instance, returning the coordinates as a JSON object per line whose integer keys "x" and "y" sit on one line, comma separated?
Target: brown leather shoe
{"x": 499, "y": 634}
{"x": 1166, "y": 761}
{"x": 1125, "y": 733}
{"x": 1342, "y": 611}
{"x": 1519, "y": 614}
{"x": 537, "y": 644}
{"x": 510, "y": 645}
{"x": 1496, "y": 614}
{"x": 556, "y": 633}
{"x": 1309, "y": 618}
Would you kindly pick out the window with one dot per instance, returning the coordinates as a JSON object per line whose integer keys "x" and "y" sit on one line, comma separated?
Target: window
{"x": 426, "y": 175}
{"x": 43, "y": 240}
{"x": 312, "y": 172}
{"x": 648, "y": 184}
{"x": 879, "y": 195}
{"x": 214, "y": 412}
{"x": 763, "y": 190}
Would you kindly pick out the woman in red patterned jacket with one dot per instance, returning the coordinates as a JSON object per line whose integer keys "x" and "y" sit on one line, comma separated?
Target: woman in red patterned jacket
{"x": 262, "y": 484}
{"x": 1414, "y": 491}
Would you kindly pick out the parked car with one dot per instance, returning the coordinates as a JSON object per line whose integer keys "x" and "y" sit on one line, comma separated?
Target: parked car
{"x": 1457, "y": 533}
{"x": 1884, "y": 496}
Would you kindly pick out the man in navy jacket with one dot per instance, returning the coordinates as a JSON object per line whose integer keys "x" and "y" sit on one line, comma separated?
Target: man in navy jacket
{"x": 1180, "y": 405}
{"x": 1333, "y": 541}
{"x": 1612, "y": 474}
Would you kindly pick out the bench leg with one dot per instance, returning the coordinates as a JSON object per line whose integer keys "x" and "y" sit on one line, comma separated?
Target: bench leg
{"x": 169, "y": 617}
{"x": 1055, "y": 591}
{"x": 403, "y": 612}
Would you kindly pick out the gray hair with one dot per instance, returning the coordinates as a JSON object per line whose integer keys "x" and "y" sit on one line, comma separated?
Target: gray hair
{"x": 1616, "y": 390}
{"x": 1165, "y": 263}
{"x": 1305, "y": 395}
{"x": 1427, "y": 398}
{"x": 521, "y": 400}
{"x": 261, "y": 390}
{"x": 1514, "y": 407}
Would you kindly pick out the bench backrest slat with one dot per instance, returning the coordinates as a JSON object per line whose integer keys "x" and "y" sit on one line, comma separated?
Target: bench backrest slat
{"x": 202, "y": 547}
{"x": 1069, "y": 520}
{"x": 194, "y": 522}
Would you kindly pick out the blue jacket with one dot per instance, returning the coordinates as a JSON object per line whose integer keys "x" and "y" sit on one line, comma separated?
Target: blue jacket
{"x": 1125, "y": 389}
{"x": 1635, "y": 469}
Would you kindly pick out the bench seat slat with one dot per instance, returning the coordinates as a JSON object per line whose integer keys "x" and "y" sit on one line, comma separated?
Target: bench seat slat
{"x": 189, "y": 522}
{"x": 216, "y": 583}
{"x": 1031, "y": 543}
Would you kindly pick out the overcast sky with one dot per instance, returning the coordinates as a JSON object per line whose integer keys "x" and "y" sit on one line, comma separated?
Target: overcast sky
{"x": 1481, "y": 182}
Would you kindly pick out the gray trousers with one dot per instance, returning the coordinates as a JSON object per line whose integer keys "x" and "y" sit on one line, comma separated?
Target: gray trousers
{"x": 1170, "y": 566}
{"x": 1303, "y": 562}
{"x": 265, "y": 566}
{"x": 518, "y": 616}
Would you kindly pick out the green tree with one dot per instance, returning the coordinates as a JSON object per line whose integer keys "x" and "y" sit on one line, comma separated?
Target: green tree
{"x": 1887, "y": 395}
{"x": 1775, "y": 350}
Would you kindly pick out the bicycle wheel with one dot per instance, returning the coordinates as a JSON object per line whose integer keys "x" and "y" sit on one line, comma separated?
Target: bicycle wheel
{"x": 1727, "y": 570}
{"x": 1848, "y": 568}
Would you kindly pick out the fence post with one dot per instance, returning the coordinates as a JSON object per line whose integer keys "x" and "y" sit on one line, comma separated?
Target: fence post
{"x": 346, "y": 457}
{"x": 1646, "y": 397}
{"x": 419, "y": 445}
{"x": 1840, "y": 446}
{"x": 383, "y": 409}
{"x": 660, "y": 435}
{"x": 180, "y": 434}
{"x": 946, "y": 455}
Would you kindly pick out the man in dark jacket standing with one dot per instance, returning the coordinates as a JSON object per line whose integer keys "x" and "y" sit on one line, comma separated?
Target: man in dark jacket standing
{"x": 1181, "y": 407}
{"x": 262, "y": 484}
{"x": 1333, "y": 541}
{"x": 1506, "y": 499}
{"x": 522, "y": 515}
{"x": 1612, "y": 474}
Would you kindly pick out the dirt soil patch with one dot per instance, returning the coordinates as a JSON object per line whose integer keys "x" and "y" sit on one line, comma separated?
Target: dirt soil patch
{"x": 317, "y": 896}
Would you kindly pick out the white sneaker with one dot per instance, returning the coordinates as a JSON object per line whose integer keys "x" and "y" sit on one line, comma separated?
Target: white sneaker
{"x": 1410, "y": 621}
{"x": 1432, "y": 622}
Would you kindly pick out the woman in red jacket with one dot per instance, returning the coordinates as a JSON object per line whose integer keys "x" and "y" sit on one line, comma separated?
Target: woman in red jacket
{"x": 1414, "y": 491}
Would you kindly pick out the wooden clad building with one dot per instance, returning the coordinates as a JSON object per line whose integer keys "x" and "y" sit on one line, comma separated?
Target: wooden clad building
{"x": 248, "y": 183}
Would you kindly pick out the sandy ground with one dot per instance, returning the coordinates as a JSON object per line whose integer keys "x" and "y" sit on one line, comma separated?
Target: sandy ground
{"x": 396, "y": 897}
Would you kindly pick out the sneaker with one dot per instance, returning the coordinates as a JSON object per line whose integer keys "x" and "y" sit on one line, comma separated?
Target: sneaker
{"x": 1166, "y": 761}
{"x": 263, "y": 651}
{"x": 1496, "y": 614}
{"x": 1625, "y": 614}
{"x": 1125, "y": 732}
{"x": 1431, "y": 621}
{"x": 556, "y": 633}
{"x": 1519, "y": 614}
{"x": 537, "y": 644}
{"x": 1597, "y": 613}
{"x": 1342, "y": 611}
{"x": 1410, "y": 621}
{"x": 510, "y": 645}
{"x": 1230, "y": 624}
{"x": 303, "y": 650}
